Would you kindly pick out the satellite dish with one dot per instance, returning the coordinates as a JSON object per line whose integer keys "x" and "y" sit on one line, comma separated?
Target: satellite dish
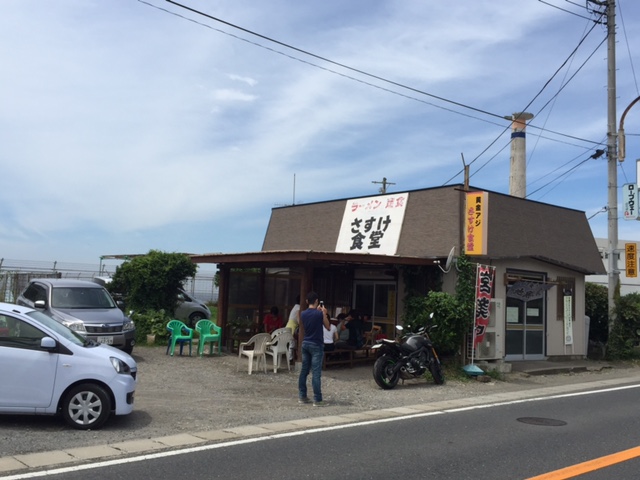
{"x": 447, "y": 265}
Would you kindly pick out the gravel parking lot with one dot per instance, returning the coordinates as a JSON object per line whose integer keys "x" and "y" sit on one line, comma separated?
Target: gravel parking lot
{"x": 187, "y": 394}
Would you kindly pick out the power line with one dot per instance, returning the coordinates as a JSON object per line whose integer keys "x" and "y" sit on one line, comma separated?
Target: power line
{"x": 341, "y": 65}
{"x": 567, "y": 11}
{"x": 571, "y": 56}
{"x": 573, "y": 76}
{"x": 572, "y": 169}
{"x": 332, "y": 62}
{"x": 626, "y": 39}
{"x": 597, "y": 154}
{"x": 376, "y": 77}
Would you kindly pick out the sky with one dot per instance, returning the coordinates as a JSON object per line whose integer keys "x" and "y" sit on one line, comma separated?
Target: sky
{"x": 131, "y": 125}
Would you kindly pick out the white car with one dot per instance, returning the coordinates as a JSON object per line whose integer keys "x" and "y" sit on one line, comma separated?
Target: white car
{"x": 48, "y": 369}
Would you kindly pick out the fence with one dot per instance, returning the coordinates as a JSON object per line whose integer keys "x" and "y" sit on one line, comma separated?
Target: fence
{"x": 15, "y": 275}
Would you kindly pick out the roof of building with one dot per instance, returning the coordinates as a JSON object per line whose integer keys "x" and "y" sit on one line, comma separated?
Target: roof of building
{"x": 433, "y": 224}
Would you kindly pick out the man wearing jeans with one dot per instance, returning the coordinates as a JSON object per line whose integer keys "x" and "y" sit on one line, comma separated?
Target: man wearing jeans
{"x": 313, "y": 319}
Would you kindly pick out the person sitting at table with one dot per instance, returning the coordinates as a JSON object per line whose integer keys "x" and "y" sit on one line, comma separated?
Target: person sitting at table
{"x": 272, "y": 320}
{"x": 343, "y": 333}
{"x": 330, "y": 337}
{"x": 356, "y": 329}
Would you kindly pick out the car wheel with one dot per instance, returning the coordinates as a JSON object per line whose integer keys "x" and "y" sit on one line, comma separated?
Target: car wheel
{"x": 128, "y": 349}
{"x": 86, "y": 406}
{"x": 194, "y": 318}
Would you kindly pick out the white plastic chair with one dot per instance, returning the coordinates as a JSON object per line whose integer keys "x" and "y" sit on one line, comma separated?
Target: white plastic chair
{"x": 278, "y": 347}
{"x": 258, "y": 343}
{"x": 278, "y": 331}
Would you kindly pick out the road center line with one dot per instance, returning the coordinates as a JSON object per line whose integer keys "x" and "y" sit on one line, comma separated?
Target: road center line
{"x": 590, "y": 465}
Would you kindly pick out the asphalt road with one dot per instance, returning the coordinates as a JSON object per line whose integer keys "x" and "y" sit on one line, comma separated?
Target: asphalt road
{"x": 506, "y": 441}
{"x": 181, "y": 395}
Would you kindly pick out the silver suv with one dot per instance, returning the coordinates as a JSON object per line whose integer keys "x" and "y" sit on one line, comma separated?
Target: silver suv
{"x": 190, "y": 309}
{"x": 85, "y": 307}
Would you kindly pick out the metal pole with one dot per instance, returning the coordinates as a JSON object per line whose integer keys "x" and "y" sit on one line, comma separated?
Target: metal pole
{"x": 612, "y": 154}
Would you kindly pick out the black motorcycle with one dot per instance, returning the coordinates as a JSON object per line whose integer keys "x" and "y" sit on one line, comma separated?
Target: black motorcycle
{"x": 408, "y": 357}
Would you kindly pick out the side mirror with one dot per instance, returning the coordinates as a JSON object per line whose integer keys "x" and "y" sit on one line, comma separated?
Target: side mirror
{"x": 48, "y": 343}
{"x": 41, "y": 304}
{"x": 399, "y": 328}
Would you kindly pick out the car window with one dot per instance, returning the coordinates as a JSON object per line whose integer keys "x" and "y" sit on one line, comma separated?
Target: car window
{"x": 80, "y": 297}
{"x": 58, "y": 328}
{"x": 35, "y": 292}
{"x": 17, "y": 333}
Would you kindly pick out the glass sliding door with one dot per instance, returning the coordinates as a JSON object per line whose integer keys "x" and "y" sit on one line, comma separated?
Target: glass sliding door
{"x": 525, "y": 318}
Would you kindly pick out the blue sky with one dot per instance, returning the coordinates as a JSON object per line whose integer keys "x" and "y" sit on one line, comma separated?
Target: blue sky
{"x": 124, "y": 127}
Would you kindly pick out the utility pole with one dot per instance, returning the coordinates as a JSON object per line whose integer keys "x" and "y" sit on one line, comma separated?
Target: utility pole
{"x": 612, "y": 161}
{"x": 383, "y": 188}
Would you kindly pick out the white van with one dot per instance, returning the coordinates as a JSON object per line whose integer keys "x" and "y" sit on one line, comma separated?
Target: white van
{"x": 49, "y": 369}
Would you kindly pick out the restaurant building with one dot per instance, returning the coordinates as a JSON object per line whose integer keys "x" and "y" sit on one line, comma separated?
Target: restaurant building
{"x": 362, "y": 252}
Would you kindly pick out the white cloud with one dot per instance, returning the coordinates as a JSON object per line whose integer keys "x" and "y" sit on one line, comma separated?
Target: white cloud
{"x": 124, "y": 128}
{"x": 228, "y": 95}
{"x": 249, "y": 81}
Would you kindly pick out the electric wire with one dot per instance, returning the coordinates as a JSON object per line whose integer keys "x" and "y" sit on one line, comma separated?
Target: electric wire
{"x": 561, "y": 178}
{"x": 574, "y": 3}
{"x": 565, "y": 10}
{"x": 569, "y": 58}
{"x": 574, "y": 74}
{"x": 459, "y": 104}
{"x": 319, "y": 57}
{"x": 626, "y": 39}
{"x": 580, "y": 42}
{"x": 553, "y": 99}
{"x": 565, "y": 174}
{"x": 335, "y": 72}
{"x": 332, "y": 62}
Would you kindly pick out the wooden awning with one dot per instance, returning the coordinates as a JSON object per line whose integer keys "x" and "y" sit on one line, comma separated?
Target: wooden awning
{"x": 278, "y": 258}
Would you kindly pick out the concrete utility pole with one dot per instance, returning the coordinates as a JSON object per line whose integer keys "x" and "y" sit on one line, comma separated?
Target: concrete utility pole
{"x": 612, "y": 160}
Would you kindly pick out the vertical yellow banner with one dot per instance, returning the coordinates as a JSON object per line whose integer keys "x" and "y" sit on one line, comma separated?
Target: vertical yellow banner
{"x": 631, "y": 259}
{"x": 476, "y": 211}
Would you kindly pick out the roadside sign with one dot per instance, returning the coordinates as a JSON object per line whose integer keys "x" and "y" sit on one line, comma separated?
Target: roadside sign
{"x": 630, "y": 200}
{"x": 631, "y": 259}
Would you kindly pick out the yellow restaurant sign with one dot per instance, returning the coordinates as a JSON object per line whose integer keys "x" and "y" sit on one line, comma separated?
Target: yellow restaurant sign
{"x": 631, "y": 259}
{"x": 476, "y": 216}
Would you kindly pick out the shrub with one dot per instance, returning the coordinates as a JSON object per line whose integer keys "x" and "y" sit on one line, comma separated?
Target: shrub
{"x": 446, "y": 314}
{"x": 152, "y": 281}
{"x": 596, "y": 308}
{"x": 150, "y": 322}
{"x": 625, "y": 332}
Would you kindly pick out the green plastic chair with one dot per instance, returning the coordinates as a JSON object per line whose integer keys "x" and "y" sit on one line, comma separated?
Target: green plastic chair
{"x": 209, "y": 333}
{"x": 179, "y": 333}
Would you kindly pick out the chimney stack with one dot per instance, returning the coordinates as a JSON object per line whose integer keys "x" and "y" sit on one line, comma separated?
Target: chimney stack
{"x": 518, "y": 172}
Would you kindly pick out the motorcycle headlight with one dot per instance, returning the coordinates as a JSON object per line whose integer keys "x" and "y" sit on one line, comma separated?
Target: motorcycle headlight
{"x": 120, "y": 366}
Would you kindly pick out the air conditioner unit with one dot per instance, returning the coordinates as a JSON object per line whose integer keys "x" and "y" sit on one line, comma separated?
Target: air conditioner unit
{"x": 487, "y": 348}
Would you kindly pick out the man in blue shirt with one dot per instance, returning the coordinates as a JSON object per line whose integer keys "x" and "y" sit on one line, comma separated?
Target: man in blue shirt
{"x": 313, "y": 320}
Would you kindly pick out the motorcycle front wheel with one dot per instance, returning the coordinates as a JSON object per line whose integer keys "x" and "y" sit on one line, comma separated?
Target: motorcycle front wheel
{"x": 384, "y": 374}
{"x": 436, "y": 372}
